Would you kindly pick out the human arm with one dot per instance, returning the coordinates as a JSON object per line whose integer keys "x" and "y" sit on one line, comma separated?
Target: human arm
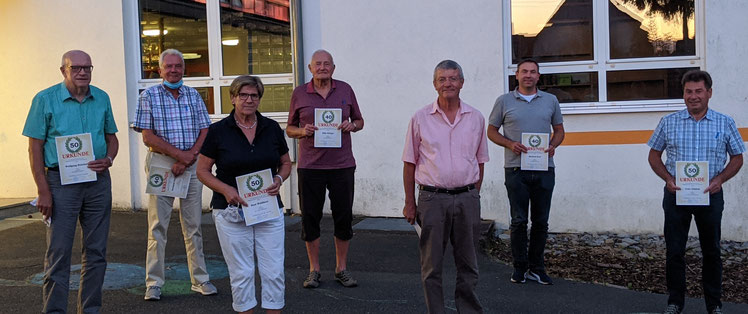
{"x": 409, "y": 183}
{"x": 352, "y": 126}
{"x": 558, "y": 137}
{"x": 732, "y": 168}
{"x": 284, "y": 170}
{"x": 496, "y": 137}
{"x": 36, "y": 160}
{"x": 300, "y": 132}
{"x": 480, "y": 178}
{"x": 655, "y": 161}
{"x": 159, "y": 145}
{"x": 204, "y": 171}
{"x": 112, "y": 147}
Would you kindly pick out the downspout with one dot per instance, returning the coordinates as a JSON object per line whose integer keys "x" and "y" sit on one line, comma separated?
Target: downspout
{"x": 298, "y": 80}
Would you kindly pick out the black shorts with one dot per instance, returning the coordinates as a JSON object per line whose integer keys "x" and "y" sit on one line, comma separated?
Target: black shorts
{"x": 312, "y": 186}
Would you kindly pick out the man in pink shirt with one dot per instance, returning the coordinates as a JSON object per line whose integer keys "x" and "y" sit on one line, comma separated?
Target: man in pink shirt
{"x": 445, "y": 149}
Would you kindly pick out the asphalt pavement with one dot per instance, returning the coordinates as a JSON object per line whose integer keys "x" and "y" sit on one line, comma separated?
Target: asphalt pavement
{"x": 383, "y": 258}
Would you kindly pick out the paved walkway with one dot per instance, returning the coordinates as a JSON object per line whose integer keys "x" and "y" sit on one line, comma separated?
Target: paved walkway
{"x": 384, "y": 259}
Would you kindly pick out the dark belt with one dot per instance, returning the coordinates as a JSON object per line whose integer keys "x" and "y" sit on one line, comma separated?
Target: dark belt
{"x": 454, "y": 191}
{"x": 53, "y": 168}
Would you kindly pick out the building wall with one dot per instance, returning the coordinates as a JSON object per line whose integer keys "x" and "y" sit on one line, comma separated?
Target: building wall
{"x": 35, "y": 35}
{"x": 387, "y": 53}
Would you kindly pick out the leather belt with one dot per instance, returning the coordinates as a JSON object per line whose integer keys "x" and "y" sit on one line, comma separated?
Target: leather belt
{"x": 454, "y": 191}
{"x": 53, "y": 168}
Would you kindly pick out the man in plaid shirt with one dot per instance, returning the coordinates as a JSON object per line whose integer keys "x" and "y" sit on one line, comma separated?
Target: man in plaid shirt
{"x": 174, "y": 122}
{"x": 695, "y": 134}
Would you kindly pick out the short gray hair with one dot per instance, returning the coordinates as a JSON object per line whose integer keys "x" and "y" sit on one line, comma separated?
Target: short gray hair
{"x": 246, "y": 80}
{"x": 449, "y": 65}
{"x": 172, "y": 52}
{"x": 322, "y": 51}
{"x": 67, "y": 55}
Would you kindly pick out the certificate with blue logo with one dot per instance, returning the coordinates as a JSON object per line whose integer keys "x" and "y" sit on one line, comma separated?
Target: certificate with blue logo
{"x": 536, "y": 158}
{"x": 693, "y": 178}
{"x": 74, "y": 152}
{"x": 327, "y": 121}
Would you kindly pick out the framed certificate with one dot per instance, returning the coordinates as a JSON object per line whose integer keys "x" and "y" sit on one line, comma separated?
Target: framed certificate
{"x": 693, "y": 178}
{"x": 74, "y": 152}
{"x": 161, "y": 181}
{"x": 253, "y": 190}
{"x": 327, "y": 122}
{"x": 536, "y": 158}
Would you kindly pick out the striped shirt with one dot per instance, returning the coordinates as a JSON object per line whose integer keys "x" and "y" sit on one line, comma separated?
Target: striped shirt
{"x": 177, "y": 121}
{"x": 711, "y": 139}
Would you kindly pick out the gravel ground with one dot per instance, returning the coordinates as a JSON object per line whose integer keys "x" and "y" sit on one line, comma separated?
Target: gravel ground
{"x": 636, "y": 262}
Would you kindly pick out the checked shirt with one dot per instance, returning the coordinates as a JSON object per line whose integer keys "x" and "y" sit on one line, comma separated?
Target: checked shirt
{"x": 710, "y": 139}
{"x": 177, "y": 121}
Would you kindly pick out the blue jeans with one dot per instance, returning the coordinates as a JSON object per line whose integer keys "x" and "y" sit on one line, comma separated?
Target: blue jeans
{"x": 709, "y": 223}
{"x": 530, "y": 193}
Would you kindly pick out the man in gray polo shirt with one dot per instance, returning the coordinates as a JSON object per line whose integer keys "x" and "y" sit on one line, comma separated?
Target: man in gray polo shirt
{"x": 527, "y": 110}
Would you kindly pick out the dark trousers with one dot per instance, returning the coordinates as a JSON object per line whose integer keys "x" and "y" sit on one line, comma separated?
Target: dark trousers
{"x": 91, "y": 204}
{"x": 530, "y": 193}
{"x": 454, "y": 219}
{"x": 313, "y": 184}
{"x": 709, "y": 224}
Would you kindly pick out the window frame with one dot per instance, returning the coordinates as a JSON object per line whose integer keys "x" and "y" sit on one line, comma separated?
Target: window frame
{"x": 216, "y": 78}
{"x": 602, "y": 63}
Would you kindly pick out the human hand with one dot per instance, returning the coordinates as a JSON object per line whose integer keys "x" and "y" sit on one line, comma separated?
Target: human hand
{"x": 714, "y": 186}
{"x": 186, "y": 157}
{"x": 551, "y": 150}
{"x": 232, "y": 196}
{"x": 409, "y": 212}
{"x": 178, "y": 169}
{"x": 518, "y": 148}
{"x": 309, "y": 129}
{"x": 670, "y": 186}
{"x": 274, "y": 188}
{"x": 44, "y": 203}
{"x": 347, "y": 126}
{"x": 99, "y": 165}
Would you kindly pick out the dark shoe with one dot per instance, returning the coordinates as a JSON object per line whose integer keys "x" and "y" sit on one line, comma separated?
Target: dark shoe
{"x": 672, "y": 309}
{"x": 312, "y": 280}
{"x": 540, "y": 276}
{"x": 345, "y": 279}
{"x": 518, "y": 276}
{"x": 716, "y": 310}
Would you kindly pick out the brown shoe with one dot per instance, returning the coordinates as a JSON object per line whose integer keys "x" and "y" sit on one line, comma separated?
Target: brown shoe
{"x": 312, "y": 280}
{"x": 344, "y": 278}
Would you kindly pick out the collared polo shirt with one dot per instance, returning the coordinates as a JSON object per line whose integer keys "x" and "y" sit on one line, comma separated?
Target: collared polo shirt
{"x": 54, "y": 112}
{"x": 177, "y": 121}
{"x": 303, "y": 102}
{"x": 516, "y": 116}
{"x": 446, "y": 154}
{"x": 235, "y": 156}
{"x": 711, "y": 139}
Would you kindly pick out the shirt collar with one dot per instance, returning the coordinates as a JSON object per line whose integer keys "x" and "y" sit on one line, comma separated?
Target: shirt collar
{"x": 684, "y": 114}
{"x": 517, "y": 95}
{"x": 310, "y": 86}
{"x": 463, "y": 108}
{"x": 65, "y": 93}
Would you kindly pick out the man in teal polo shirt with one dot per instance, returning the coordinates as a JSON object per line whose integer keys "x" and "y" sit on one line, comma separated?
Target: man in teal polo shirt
{"x": 73, "y": 107}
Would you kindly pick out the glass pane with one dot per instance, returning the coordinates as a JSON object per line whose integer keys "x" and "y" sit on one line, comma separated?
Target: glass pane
{"x": 256, "y": 37}
{"x": 552, "y": 30}
{"x": 178, "y": 24}
{"x": 207, "y": 94}
{"x": 568, "y": 87}
{"x": 277, "y": 98}
{"x": 645, "y": 84}
{"x": 651, "y": 29}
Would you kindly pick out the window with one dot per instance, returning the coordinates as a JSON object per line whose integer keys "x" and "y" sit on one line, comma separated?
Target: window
{"x": 606, "y": 55}
{"x": 220, "y": 40}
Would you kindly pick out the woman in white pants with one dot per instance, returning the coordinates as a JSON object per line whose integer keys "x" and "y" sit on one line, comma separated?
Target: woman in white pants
{"x": 243, "y": 143}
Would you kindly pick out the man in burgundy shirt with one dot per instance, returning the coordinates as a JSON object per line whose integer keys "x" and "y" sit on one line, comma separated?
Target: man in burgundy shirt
{"x": 445, "y": 150}
{"x": 323, "y": 169}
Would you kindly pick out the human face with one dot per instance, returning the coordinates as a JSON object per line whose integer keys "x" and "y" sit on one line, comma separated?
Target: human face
{"x": 321, "y": 66}
{"x": 696, "y": 96}
{"x": 76, "y": 79}
{"x": 246, "y": 107}
{"x": 527, "y": 75}
{"x": 448, "y": 83}
{"x": 173, "y": 68}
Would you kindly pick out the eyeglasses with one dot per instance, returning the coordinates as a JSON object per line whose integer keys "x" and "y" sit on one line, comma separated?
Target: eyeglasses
{"x": 452, "y": 79}
{"x": 78, "y": 68}
{"x": 244, "y": 96}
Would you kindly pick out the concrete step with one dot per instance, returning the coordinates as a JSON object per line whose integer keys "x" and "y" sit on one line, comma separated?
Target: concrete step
{"x": 15, "y": 207}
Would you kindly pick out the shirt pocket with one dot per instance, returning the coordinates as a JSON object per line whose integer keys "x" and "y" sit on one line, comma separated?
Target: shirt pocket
{"x": 718, "y": 146}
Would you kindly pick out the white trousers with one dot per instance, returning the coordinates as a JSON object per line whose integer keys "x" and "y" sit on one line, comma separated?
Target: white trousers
{"x": 241, "y": 246}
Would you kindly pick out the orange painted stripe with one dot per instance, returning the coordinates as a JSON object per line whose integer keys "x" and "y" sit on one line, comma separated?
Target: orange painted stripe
{"x": 617, "y": 137}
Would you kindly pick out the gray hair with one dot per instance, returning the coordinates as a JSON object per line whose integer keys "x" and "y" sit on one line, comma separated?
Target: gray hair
{"x": 322, "y": 51}
{"x": 172, "y": 52}
{"x": 449, "y": 65}
{"x": 246, "y": 80}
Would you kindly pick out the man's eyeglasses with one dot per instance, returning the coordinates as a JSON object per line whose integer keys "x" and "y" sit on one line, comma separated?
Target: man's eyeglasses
{"x": 244, "y": 96}
{"x": 78, "y": 68}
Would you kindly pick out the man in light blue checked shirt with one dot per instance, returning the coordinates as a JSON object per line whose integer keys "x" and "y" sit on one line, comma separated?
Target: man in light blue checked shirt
{"x": 174, "y": 122}
{"x": 695, "y": 134}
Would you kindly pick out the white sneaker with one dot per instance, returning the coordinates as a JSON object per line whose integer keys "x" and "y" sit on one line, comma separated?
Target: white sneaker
{"x": 205, "y": 288}
{"x": 153, "y": 293}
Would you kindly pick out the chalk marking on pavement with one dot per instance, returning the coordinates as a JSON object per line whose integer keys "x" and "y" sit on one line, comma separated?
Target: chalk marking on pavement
{"x": 337, "y": 296}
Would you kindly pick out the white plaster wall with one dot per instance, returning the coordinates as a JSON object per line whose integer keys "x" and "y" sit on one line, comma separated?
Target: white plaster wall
{"x": 35, "y": 34}
{"x": 387, "y": 50}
